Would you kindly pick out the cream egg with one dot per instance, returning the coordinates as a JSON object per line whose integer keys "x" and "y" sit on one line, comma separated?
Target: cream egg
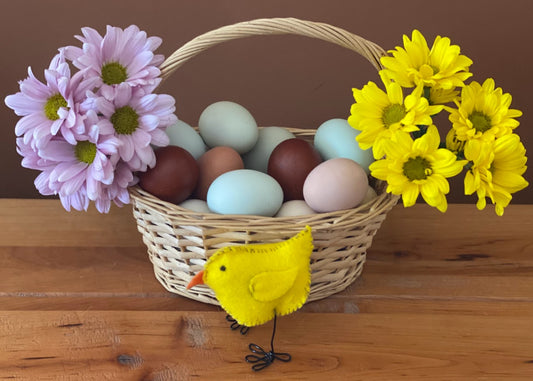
{"x": 294, "y": 208}
{"x": 195, "y": 205}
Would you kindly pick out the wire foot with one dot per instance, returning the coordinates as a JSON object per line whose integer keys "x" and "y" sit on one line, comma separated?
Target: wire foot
{"x": 236, "y": 326}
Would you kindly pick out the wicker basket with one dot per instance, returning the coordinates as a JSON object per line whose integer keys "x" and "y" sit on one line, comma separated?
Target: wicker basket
{"x": 179, "y": 241}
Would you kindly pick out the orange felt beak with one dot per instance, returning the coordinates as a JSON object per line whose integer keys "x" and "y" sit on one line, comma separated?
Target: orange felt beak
{"x": 196, "y": 280}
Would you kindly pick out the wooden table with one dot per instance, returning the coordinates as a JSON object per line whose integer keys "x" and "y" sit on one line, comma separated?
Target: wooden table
{"x": 442, "y": 297}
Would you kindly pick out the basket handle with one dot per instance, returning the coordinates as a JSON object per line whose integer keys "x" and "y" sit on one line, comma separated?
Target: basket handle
{"x": 270, "y": 26}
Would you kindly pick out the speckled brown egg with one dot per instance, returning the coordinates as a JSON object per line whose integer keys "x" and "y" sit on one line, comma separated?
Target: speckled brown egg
{"x": 213, "y": 163}
{"x": 290, "y": 163}
{"x": 174, "y": 176}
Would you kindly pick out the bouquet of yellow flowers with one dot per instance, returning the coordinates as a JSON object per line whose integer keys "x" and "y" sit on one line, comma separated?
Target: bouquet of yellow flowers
{"x": 406, "y": 144}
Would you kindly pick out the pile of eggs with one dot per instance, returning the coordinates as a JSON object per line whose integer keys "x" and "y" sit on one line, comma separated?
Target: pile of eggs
{"x": 230, "y": 166}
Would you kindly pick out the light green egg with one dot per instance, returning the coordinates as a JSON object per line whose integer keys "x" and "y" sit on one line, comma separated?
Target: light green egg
{"x": 183, "y": 135}
{"x": 228, "y": 124}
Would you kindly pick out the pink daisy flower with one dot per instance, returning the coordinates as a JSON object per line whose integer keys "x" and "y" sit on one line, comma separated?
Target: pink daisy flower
{"x": 30, "y": 157}
{"x": 47, "y": 109}
{"x": 121, "y": 56}
{"x": 31, "y": 160}
{"x": 90, "y": 163}
{"x": 117, "y": 191}
{"x": 139, "y": 121}
{"x": 78, "y": 200}
{"x": 89, "y": 132}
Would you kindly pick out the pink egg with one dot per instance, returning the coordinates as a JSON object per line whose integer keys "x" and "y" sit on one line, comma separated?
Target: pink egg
{"x": 335, "y": 184}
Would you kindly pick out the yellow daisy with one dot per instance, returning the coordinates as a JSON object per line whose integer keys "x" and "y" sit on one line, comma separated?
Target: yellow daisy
{"x": 418, "y": 167}
{"x": 379, "y": 114}
{"x": 442, "y": 67}
{"x": 441, "y": 96}
{"x": 483, "y": 112}
{"x": 454, "y": 144}
{"x": 497, "y": 169}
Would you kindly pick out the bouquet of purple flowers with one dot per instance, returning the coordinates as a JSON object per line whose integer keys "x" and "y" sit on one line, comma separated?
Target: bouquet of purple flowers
{"x": 89, "y": 132}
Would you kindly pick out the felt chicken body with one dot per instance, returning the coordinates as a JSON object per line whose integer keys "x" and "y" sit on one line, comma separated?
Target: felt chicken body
{"x": 256, "y": 282}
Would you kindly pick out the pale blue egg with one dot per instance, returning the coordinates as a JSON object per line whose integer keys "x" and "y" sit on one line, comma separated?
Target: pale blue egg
{"x": 269, "y": 138}
{"x": 336, "y": 138}
{"x": 229, "y": 124}
{"x": 183, "y": 135}
{"x": 245, "y": 191}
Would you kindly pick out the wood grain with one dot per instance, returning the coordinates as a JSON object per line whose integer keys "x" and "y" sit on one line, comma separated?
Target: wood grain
{"x": 442, "y": 296}
{"x": 178, "y": 345}
{"x": 42, "y": 223}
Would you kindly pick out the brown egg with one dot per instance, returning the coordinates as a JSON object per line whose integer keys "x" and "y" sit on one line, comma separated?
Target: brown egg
{"x": 174, "y": 176}
{"x": 290, "y": 163}
{"x": 213, "y": 163}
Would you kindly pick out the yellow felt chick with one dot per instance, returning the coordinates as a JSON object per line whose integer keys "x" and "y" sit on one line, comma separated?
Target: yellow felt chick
{"x": 253, "y": 282}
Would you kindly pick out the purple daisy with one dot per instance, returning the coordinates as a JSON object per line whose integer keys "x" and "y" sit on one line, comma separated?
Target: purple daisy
{"x": 90, "y": 163}
{"x": 31, "y": 160}
{"x": 47, "y": 109}
{"x": 117, "y": 191}
{"x": 78, "y": 200}
{"x": 121, "y": 56}
{"x": 139, "y": 121}
{"x": 89, "y": 132}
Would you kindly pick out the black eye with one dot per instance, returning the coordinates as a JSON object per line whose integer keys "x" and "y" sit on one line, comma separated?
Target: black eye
{"x": 222, "y": 268}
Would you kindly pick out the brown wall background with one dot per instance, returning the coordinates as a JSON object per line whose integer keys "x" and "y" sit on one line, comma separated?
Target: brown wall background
{"x": 283, "y": 80}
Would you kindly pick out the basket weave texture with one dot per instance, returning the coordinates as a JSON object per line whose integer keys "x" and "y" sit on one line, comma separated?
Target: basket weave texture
{"x": 179, "y": 241}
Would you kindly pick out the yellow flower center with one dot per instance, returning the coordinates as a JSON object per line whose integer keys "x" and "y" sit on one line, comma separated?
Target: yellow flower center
{"x": 417, "y": 168}
{"x": 125, "y": 120}
{"x": 52, "y": 105}
{"x": 85, "y": 151}
{"x": 393, "y": 114}
{"x": 480, "y": 121}
{"x": 114, "y": 73}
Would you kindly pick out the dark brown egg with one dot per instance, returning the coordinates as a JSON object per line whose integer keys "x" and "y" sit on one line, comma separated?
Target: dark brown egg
{"x": 174, "y": 176}
{"x": 290, "y": 163}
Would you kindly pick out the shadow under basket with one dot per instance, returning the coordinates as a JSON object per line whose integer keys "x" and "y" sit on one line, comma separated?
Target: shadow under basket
{"x": 179, "y": 241}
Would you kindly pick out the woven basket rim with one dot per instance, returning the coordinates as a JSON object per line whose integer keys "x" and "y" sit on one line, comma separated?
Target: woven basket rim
{"x": 360, "y": 213}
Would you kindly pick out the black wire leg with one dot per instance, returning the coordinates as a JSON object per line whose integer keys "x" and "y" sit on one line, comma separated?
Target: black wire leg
{"x": 262, "y": 359}
{"x": 236, "y": 326}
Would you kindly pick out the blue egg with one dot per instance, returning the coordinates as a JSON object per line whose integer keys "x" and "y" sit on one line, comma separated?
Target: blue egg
{"x": 335, "y": 138}
{"x": 245, "y": 191}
